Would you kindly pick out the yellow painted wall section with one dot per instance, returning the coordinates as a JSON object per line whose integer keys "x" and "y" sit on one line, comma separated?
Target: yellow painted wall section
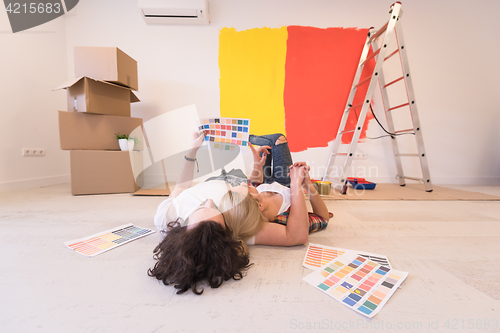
{"x": 252, "y": 77}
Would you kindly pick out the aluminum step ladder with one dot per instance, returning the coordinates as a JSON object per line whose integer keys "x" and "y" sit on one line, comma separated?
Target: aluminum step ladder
{"x": 392, "y": 29}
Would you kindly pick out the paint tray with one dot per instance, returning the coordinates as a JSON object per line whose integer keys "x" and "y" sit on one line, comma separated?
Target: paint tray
{"x": 361, "y": 183}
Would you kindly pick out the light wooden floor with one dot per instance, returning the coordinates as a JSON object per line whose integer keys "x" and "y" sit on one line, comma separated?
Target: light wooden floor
{"x": 451, "y": 250}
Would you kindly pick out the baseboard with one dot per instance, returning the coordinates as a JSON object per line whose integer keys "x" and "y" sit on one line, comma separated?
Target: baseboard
{"x": 443, "y": 180}
{"x": 483, "y": 181}
{"x": 34, "y": 183}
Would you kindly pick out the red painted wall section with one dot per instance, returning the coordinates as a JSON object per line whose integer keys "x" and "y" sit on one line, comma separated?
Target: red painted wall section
{"x": 319, "y": 70}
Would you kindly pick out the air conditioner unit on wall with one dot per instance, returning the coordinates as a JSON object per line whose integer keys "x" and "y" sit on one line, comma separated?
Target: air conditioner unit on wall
{"x": 174, "y": 11}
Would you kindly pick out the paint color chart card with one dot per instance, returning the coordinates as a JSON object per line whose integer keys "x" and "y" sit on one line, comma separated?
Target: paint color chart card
{"x": 357, "y": 282}
{"x": 378, "y": 258}
{"x": 319, "y": 255}
{"x": 226, "y": 132}
{"x": 107, "y": 240}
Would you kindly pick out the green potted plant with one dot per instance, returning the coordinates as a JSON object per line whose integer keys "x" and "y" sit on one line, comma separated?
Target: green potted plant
{"x": 125, "y": 141}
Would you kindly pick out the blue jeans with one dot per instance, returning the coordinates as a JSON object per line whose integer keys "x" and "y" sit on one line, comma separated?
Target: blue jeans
{"x": 276, "y": 167}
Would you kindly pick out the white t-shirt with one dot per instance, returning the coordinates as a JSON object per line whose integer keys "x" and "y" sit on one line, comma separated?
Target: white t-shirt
{"x": 277, "y": 188}
{"x": 185, "y": 203}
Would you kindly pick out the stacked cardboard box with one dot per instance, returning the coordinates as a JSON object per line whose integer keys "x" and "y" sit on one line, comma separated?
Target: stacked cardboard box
{"x": 98, "y": 107}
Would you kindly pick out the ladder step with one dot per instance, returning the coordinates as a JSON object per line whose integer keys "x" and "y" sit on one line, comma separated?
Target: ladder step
{"x": 367, "y": 79}
{"x": 390, "y": 55}
{"x": 378, "y": 33}
{"x": 404, "y": 131}
{"x": 370, "y": 57}
{"x": 397, "y": 107}
{"x": 408, "y": 155}
{"x": 397, "y": 80}
{"x": 349, "y": 131}
{"x": 353, "y": 107}
{"x": 413, "y": 178}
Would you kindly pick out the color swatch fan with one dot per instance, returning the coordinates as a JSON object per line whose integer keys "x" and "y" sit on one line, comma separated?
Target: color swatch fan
{"x": 107, "y": 240}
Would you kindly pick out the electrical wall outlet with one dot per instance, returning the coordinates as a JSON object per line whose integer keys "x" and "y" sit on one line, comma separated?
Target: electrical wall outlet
{"x": 33, "y": 152}
{"x": 360, "y": 156}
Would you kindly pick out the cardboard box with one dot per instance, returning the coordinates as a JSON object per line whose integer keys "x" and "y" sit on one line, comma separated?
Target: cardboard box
{"x": 94, "y": 96}
{"x": 94, "y": 131}
{"x": 101, "y": 172}
{"x": 106, "y": 64}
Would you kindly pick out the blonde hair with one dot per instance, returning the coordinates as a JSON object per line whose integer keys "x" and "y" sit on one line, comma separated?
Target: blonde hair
{"x": 242, "y": 214}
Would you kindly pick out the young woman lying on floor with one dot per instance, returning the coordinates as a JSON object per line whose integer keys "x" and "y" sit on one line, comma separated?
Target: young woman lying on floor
{"x": 213, "y": 221}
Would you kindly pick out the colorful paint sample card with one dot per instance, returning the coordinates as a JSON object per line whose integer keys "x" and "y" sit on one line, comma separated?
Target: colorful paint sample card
{"x": 226, "y": 132}
{"x": 378, "y": 258}
{"x": 358, "y": 283}
{"x": 107, "y": 240}
{"x": 319, "y": 255}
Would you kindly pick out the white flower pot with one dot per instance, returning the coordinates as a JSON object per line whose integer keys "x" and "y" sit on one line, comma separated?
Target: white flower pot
{"x": 124, "y": 146}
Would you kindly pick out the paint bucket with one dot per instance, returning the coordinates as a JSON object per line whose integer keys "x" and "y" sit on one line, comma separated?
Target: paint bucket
{"x": 323, "y": 188}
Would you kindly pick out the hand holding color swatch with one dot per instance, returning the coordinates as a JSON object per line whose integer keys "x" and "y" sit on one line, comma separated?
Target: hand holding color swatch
{"x": 224, "y": 132}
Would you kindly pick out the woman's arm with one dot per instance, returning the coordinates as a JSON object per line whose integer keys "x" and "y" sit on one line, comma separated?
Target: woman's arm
{"x": 258, "y": 161}
{"x": 317, "y": 203}
{"x": 296, "y": 231}
{"x": 185, "y": 179}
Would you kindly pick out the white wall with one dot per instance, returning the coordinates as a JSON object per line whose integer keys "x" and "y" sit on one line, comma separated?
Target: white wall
{"x": 32, "y": 63}
{"x": 452, "y": 47}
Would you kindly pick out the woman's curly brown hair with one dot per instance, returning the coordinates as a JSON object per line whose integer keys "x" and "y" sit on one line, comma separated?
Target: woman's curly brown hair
{"x": 207, "y": 252}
